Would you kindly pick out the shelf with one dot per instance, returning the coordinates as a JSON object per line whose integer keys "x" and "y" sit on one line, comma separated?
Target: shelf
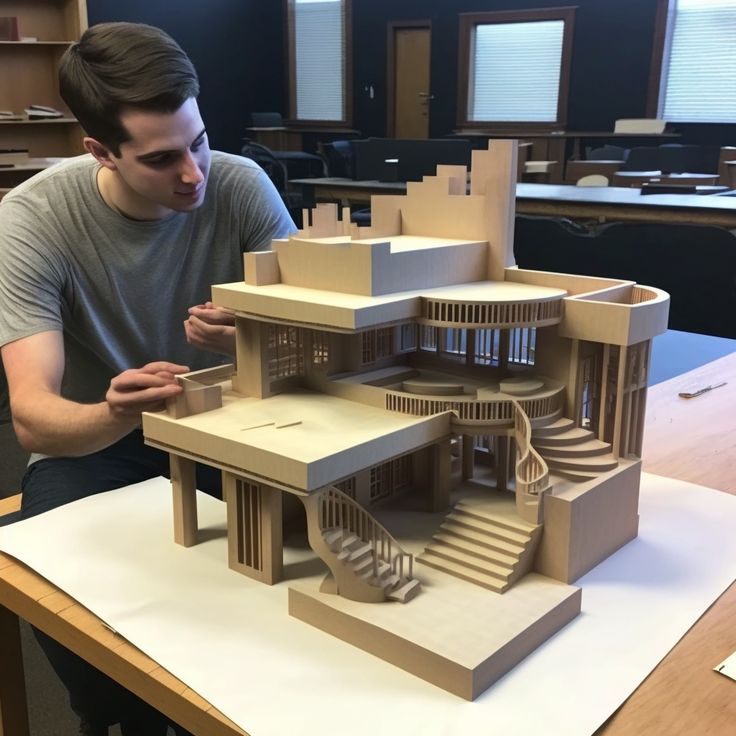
{"x": 50, "y": 121}
{"x": 36, "y": 43}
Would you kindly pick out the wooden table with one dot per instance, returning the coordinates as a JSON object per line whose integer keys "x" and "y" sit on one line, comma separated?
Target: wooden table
{"x": 618, "y": 204}
{"x": 687, "y": 439}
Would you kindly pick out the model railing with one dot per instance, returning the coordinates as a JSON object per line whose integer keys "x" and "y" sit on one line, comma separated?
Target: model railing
{"x": 470, "y": 409}
{"x": 336, "y": 510}
{"x": 494, "y": 314}
{"x": 532, "y": 473}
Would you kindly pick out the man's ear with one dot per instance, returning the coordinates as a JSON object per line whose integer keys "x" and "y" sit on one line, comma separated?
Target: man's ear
{"x": 100, "y": 152}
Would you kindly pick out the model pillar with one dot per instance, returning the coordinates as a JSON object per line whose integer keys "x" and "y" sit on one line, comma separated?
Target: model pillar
{"x": 251, "y": 348}
{"x": 254, "y": 528}
{"x": 440, "y": 477}
{"x": 468, "y": 456}
{"x": 183, "y": 485}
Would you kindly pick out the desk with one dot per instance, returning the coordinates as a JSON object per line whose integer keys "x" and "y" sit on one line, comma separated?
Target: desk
{"x": 637, "y": 178}
{"x": 681, "y": 690}
{"x": 556, "y": 200}
{"x": 561, "y": 145}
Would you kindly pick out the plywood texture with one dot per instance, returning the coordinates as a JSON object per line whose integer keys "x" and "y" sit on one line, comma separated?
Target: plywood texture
{"x": 362, "y": 353}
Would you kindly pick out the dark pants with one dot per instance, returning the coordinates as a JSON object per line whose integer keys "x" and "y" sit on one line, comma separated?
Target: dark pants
{"x": 53, "y": 482}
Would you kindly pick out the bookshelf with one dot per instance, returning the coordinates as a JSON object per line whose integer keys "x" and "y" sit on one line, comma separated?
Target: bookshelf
{"x": 28, "y": 75}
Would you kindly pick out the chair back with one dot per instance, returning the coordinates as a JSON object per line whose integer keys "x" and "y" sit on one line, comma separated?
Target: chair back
{"x": 266, "y": 120}
{"x": 592, "y": 180}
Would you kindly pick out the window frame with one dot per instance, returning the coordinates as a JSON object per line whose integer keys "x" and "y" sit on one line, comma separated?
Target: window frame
{"x": 347, "y": 82}
{"x": 660, "y": 51}
{"x": 468, "y": 23}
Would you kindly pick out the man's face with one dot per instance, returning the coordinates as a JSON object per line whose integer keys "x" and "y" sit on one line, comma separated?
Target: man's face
{"x": 163, "y": 168}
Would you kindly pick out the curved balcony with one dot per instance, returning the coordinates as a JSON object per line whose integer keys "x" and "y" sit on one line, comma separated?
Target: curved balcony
{"x": 533, "y": 311}
{"x": 479, "y": 407}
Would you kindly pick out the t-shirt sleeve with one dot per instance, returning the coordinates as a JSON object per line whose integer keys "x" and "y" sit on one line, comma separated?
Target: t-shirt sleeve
{"x": 265, "y": 216}
{"x": 31, "y": 280}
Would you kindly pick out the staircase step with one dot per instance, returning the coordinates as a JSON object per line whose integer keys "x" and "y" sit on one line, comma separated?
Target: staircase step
{"x": 569, "y": 437}
{"x": 359, "y": 550}
{"x": 485, "y": 527}
{"x": 486, "y": 581}
{"x": 478, "y": 550}
{"x": 332, "y": 536}
{"x": 406, "y": 592}
{"x": 584, "y": 464}
{"x": 563, "y": 424}
{"x": 363, "y": 566}
{"x": 591, "y": 448}
{"x": 477, "y": 537}
{"x": 513, "y": 524}
{"x": 469, "y": 561}
{"x": 574, "y": 475}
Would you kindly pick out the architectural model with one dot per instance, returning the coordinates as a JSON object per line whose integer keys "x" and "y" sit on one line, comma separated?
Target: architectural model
{"x": 464, "y": 436}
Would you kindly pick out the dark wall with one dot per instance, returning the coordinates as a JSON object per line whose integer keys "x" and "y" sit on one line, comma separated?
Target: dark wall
{"x": 612, "y": 46}
{"x": 238, "y": 48}
{"x": 236, "y": 45}
{"x": 609, "y": 79}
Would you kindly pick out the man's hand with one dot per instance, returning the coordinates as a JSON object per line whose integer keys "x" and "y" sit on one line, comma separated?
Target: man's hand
{"x": 143, "y": 389}
{"x": 211, "y": 328}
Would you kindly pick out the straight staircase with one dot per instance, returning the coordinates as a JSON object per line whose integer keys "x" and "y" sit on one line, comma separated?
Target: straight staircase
{"x": 483, "y": 547}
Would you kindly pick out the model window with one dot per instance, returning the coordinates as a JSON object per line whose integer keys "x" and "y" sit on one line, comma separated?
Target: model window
{"x": 428, "y": 339}
{"x": 486, "y": 347}
{"x": 318, "y": 33}
{"x": 285, "y": 352}
{"x": 515, "y": 67}
{"x": 408, "y": 341}
{"x": 695, "y": 61}
{"x": 522, "y": 344}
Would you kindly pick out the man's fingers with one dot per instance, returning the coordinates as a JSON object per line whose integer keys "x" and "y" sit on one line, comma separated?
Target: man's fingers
{"x": 163, "y": 366}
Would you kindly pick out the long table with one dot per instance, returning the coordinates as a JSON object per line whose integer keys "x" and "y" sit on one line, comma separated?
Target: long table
{"x": 687, "y": 439}
{"x": 557, "y": 200}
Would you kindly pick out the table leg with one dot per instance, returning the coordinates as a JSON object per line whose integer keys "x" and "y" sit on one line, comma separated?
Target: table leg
{"x": 13, "y": 704}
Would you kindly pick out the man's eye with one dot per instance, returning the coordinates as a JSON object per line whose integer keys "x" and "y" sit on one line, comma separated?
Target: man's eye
{"x": 159, "y": 160}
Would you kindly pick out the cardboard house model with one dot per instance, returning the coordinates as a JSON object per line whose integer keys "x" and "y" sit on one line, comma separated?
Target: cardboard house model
{"x": 464, "y": 436}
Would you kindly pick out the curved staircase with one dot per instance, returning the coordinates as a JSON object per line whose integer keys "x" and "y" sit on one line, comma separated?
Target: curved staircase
{"x": 572, "y": 452}
{"x": 366, "y": 563}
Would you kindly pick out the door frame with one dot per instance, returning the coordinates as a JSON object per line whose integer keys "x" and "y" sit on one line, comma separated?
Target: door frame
{"x": 391, "y": 28}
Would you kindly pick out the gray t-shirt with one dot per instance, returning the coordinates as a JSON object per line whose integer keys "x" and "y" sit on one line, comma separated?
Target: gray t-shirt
{"x": 119, "y": 289}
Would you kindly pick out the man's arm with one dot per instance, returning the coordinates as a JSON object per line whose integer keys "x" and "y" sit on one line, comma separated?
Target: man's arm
{"x": 47, "y": 423}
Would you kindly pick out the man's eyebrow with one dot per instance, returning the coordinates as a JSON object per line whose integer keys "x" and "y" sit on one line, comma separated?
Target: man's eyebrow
{"x": 156, "y": 154}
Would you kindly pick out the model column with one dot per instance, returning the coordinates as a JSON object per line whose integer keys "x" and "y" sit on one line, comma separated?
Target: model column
{"x": 254, "y": 528}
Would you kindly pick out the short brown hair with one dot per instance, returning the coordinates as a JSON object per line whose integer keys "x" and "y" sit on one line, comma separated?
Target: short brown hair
{"x": 115, "y": 66}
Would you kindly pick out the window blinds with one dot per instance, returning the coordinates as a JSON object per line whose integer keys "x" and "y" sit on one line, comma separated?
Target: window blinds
{"x": 320, "y": 59}
{"x": 515, "y": 71}
{"x": 699, "y": 68}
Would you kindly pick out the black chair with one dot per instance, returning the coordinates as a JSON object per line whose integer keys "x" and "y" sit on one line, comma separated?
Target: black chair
{"x": 607, "y": 153}
{"x": 338, "y": 156}
{"x": 677, "y": 158}
{"x": 266, "y": 120}
{"x": 643, "y": 158}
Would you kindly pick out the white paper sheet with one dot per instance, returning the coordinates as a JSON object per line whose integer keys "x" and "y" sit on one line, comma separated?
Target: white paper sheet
{"x": 728, "y": 667}
{"x": 232, "y": 640}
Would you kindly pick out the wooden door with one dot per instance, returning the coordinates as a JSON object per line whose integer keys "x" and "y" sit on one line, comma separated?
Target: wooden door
{"x": 409, "y": 90}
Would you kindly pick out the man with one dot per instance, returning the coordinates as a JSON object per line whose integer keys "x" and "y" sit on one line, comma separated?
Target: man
{"x": 101, "y": 258}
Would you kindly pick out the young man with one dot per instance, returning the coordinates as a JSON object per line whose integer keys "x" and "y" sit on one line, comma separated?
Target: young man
{"x": 102, "y": 258}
